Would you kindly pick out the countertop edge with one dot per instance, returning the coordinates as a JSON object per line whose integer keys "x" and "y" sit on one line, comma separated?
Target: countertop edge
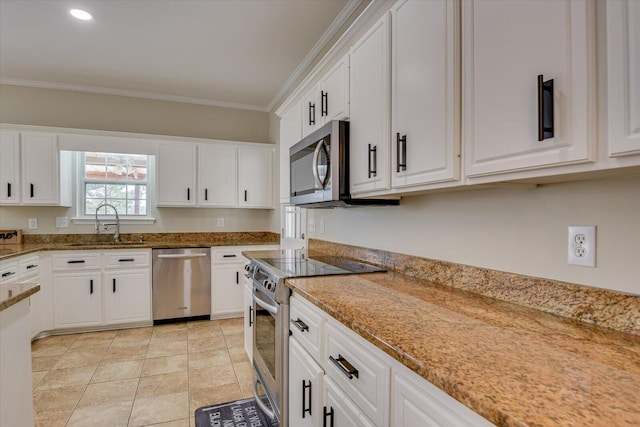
{"x": 23, "y": 291}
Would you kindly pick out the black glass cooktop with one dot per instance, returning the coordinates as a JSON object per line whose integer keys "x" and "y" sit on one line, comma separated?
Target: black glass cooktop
{"x": 319, "y": 266}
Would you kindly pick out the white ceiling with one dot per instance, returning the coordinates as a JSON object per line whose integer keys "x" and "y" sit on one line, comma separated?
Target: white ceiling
{"x": 235, "y": 53}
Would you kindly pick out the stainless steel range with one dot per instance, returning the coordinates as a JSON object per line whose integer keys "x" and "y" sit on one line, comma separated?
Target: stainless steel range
{"x": 271, "y": 327}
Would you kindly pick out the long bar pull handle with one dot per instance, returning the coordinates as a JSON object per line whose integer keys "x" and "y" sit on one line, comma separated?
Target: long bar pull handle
{"x": 324, "y": 103}
{"x": 126, "y": 260}
{"x": 306, "y": 387}
{"x": 229, "y": 256}
{"x": 32, "y": 190}
{"x": 30, "y": 266}
{"x": 188, "y": 193}
{"x": 8, "y": 273}
{"x": 206, "y": 194}
{"x": 300, "y": 325}
{"x": 245, "y": 195}
{"x": 237, "y": 277}
{"x": 194, "y": 255}
{"x": 326, "y": 414}
{"x": 114, "y": 286}
{"x": 373, "y": 161}
{"x": 91, "y": 286}
{"x": 76, "y": 261}
{"x": 312, "y": 114}
{"x": 344, "y": 366}
{"x": 545, "y": 109}
{"x": 250, "y": 316}
{"x": 401, "y": 152}
{"x": 8, "y": 189}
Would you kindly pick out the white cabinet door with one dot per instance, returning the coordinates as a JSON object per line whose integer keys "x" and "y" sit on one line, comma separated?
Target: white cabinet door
{"x": 305, "y": 388}
{"x": 623, "y": 74}
{"x": 369, "y": 113}
{"x": 176, "y": 174}
{"x": 46, "y": 178}
{"x": 217, "y": 175}
{"x": 425, "y": 91}
{"x": 290, "y": 133}
{"x": 334, "y": 92}
{"x": 310, "y": 110}
{"x": 339, "y": 410}
{"x": 9, "y": 168}
{"x": 506, "y": 46}
{"x": 247, "y": 302}
{"x": 227, "y": 292}
{"x": 77, "y": 299}
{"x": 127, "y": 296}
{"x": 255, "y": 177}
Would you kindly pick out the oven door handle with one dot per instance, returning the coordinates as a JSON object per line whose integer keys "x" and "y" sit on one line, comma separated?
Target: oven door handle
{"x": 271, "y": 414}
{"x": 271, "y": 308}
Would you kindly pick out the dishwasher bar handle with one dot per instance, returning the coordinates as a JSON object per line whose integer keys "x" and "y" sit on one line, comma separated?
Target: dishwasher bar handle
{"x": 197, "y": 255}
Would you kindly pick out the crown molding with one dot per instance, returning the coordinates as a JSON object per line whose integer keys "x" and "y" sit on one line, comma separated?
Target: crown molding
{"x": 132, "y": 93}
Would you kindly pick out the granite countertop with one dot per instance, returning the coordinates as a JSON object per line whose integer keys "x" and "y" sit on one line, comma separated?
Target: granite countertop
{"x": 513, "y": 365}
{"x": 13, "y": 293}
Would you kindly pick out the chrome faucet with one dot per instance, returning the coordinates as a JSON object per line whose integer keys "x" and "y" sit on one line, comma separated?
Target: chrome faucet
{"x": 116, "y": 235}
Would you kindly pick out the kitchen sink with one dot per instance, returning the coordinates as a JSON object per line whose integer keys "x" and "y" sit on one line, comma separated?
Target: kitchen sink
{"x": 106, "y": 245}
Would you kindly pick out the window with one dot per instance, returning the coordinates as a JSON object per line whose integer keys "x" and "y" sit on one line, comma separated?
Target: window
{"x": 118, "y": 179}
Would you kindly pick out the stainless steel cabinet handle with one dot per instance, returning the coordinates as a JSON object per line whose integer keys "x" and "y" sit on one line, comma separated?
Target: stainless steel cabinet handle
{"x": 198, "y": 255}
{"x": 373, "y": 161}
{"x": 344, "y": 366}
{"x": 324, "y": 104}
{"x": 300, "y": 325}
{"x": 250, "y": 316}
{"x": 401, "y": 152}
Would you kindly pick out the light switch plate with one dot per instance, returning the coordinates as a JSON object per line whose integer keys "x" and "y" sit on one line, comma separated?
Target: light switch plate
{"x": 62, "y": 222}
{"x": 33, "y": 223}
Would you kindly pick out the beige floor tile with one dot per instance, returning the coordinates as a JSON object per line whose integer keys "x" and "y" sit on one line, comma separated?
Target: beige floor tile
{"x": 165, "y": 365}
{"x": 204, "y": 344}
{"x": 107, "y": 415}
{"x": 130, "y": 341}
{"x": 157, "y": 385}
{"x": 109, "y": 392}
{"x": 244, "y": 371}
{"x": 49, "y": 349}
{"x": 58, "y": 339}
{"x": 36, "y": 377}
{"x": 44, "y": 363}
{"x": 203, "y": 324}
{"x": 159, "y": 409}
{"x": 98, "y": 334}
{"x": 170, "y": 327}
{"x": 211, "y": 377}
{"x": 160, "y": 348}
{"x": 58, "y": 399}
{"x": 170, "y": 335}
{"x": 77, "y": 359}
{"x": 51, "y": 419}
{"x": 140, "y": 332}
{"x": 208, "y": 396}
{"x": 114, "y": 371}
{"x": 234, "y": 341}
{"x": 91, "y": 344}
{"x": 59, "y": 378}
{"x": 232, "y": 326}
{"x": 123, "y": 354}
{"x": 238, "y": 354}
{"x": 247, "y": 389}
{"x": 177, "y": 423}
{"x": 205, "y": 359}
{"x": 204, "y": 332}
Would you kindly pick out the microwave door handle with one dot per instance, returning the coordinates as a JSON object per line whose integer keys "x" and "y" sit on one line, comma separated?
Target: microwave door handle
{"x": 316, "y": 173}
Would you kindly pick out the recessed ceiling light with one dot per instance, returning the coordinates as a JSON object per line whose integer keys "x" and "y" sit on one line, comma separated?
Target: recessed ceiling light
{"x": 81, "y": 14}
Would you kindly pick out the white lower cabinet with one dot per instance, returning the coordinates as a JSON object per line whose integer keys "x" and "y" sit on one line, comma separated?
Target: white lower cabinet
{"x": 306, "y": 379}
{"x": 248, "y": 318}
{"x": 360, "y": 385}
{"x": 92, "y": 289}
{"x": 227, "y": 291}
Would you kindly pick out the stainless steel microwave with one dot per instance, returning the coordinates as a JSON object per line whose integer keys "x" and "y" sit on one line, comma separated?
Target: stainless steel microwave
{"x": 319, "y": 170}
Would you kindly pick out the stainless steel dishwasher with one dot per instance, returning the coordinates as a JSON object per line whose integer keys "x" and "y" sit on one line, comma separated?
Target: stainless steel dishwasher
{"x": 181, "y": 284}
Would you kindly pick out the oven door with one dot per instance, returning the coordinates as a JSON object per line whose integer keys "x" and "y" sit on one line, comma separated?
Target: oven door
{"x": 265, "y": 352}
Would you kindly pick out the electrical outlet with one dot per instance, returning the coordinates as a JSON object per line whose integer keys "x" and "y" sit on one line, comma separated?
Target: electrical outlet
{"x": 220, "y": 222}
{"x": 311, "y": 225}
{"x": 33, "y": 223}
{"x": 62, "y": 222}
{"x": 582, "y": 245}
{"x": 321, "y": 226}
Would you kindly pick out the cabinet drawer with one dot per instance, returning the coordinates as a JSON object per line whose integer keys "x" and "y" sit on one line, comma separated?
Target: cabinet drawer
{"x": 28, "y": 266}
{"x": 227, "y": 256}
{"x": 362, "y": 375}
{"x": 8, "y": 271}
{"x": 307, "y": 325}
{"x": 79, "y": 261}
{"x": 126, "y": 259}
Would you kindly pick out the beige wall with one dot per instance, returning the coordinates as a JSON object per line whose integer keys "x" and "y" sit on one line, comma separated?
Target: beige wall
{"x": 63, "y": 108}
{"x": 520, "y": 231}
{"x": 60, "y": 108}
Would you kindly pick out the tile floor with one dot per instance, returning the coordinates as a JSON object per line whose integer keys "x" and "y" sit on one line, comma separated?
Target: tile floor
{"x": 155, "y": 376}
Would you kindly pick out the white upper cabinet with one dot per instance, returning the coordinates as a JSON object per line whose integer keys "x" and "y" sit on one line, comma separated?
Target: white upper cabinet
{"x": 46, "y": 172}
{"x": 9, "y": 168}
{"x": 176, "y": 174}
{"x": 506, "y": 45}
{"x": 255, "y": 177}
{"x": 623, "y": 73}
{"x": 290, "y": 133}
{"x": 425, "y": 88}
{"x": 328, "y": 100}
{"x": 217, "y": 175}
{"x": 369, "y": 110}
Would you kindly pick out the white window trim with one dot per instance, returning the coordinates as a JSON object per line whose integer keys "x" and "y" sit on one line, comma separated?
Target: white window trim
{"x": 80, "y": 218}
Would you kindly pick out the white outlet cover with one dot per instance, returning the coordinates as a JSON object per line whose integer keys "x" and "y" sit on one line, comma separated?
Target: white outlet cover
{"x": 588, "y": 247}
{"x": 33, "y": 223}
{"x": 220, "y": 222}
{"x": 62, "y": 222}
